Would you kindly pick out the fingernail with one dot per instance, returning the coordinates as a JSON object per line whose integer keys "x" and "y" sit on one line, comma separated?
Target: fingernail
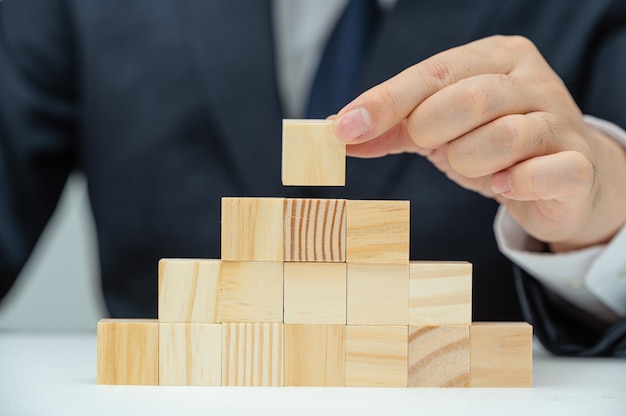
{"x": 352, "y": 125}
{"x": 500, "y": 182}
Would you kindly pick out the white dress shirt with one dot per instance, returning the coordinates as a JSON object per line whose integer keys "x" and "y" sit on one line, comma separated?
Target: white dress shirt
{"x": 593, "y": 279}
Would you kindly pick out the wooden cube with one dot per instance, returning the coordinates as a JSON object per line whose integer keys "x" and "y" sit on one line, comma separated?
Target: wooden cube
{"x": 252, "y": 229}
{"x": 312, "y": 156}
{"x": 315, "y": 355}
{"x": 189, "y": 290}
{"x": 315, "y": 293}
{"x": 501, "y": 354}
{"x": 378, "y": 294}
{"x": 376, "y": 356}
{"x": 251, "y": 291}
{"x": 252, "y": 354}
{"x": 315, "y": 230}
{"x": 378, "y": 232}
{"x": 440, "y": 293}
{"x": 439, "y": 356}
{"x": 190, "y": 354}
{"x": 128, "y": 351}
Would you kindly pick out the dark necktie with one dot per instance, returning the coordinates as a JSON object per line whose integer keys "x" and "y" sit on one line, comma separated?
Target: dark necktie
{"x": 335, "y": 82}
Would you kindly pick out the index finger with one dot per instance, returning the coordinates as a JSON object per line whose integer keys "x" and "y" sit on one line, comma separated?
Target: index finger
{"x": 387, "y": 104}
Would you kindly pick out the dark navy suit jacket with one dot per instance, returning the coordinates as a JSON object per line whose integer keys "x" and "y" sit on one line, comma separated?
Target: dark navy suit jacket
{"x": 166, "y": 106}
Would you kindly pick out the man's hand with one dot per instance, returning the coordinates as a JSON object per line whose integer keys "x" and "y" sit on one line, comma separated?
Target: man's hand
{"x": 496, "y": 119}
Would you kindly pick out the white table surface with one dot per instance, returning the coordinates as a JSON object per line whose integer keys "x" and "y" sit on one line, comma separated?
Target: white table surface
{"x": 55, "y": 374}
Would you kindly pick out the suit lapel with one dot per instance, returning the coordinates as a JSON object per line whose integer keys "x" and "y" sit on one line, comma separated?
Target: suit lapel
{"x": 232, "y": 46}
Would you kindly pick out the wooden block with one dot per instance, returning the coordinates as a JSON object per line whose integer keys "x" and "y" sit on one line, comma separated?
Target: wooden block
{"x": 251, "y": 291}
{"x": 190, "y": 354}
{"x": 378, "y": 232}
{"x": 252, "y": 229}
{"x": 315, "y": 293}
{"x": 378, "y": 294}
{"x": 440, "y": 293}
{"x": 376, "y": 356}
{"x": 439, "y": 356}
{"x": 189, "y": 290}
{"x": 501, "y": 354}
{"x": 128, "y": 351}
{"x": 252, "y": 354}
{"x": 312, "y": 156}
{"x": 315, "y": 355}
{"x": 315, "y": 230}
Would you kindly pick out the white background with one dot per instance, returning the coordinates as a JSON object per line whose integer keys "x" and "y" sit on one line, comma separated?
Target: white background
{"x": 59, "y": 288}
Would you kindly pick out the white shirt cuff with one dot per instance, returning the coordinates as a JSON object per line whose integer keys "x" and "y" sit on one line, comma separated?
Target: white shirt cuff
{"x": 593, "y": 279}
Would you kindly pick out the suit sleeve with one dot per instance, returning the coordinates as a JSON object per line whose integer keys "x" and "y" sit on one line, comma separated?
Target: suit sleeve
{"x": 563, "y": 328}
{"x": 38, "y": 106}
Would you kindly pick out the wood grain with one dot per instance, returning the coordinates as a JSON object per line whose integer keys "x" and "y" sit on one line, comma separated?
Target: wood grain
{"x": 252, "y": 354}
{"x": 251, "y": 291}
{"x": 378, "y": 294}
{"x": 440, "y": 293}
{"x": 501, "y": 354}
{"x": 311, "y": 155}
{"x": 376, "y": 356}
{"x": 190, "y": 354}
{"x": 315, "y": 293}
{"x": 189, "y": 290}
{"x": 252, "y": 229}
{"x": 315, "y": 230}
{"x": 315, "y": 355}
{"x": 378, "y": 232}
{"x": 439, "y": 356}
{"x": 128, "y": 351}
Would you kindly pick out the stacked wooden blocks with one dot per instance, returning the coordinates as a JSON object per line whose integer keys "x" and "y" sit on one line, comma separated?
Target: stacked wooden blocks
{"x": 314, "y": 292}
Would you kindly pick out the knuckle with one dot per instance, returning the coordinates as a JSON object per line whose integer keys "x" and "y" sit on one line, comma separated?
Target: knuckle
{"x": 517, "y": 43}
{"x": 509, "y": 134}
{"x": 460, "y": 157}
{"x": 417, "y": 135}
{"x": 583, "y": 171}
{"x": 475, "y": 99}
{"x": 578, "y": 174}
{"x": 530, "y": 182}
{"x": 553, "y": 88}
{"x": 548, "y": 135}
{"x": 438, "y": 72}
{"x": 564, "y": 174}
{"x": 387, "y": 101}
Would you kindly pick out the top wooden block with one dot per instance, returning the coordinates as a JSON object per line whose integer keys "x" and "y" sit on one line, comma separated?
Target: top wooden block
{"x": 312, "y": 156}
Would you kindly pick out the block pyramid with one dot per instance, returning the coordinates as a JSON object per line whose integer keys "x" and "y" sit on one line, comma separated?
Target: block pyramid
{"x": 314, "y": 292}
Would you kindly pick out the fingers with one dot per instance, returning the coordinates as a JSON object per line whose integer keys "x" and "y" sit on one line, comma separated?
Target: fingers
{"x": 451, "y": 113}
{"x": 482, "y": 185}
{"x": 553, "y": 198}
{"x": 469, "y": 104}
{"x": 502, "y": 143}
{"x": 393, "y": 141}
{"x": 388, "y": 104}
{"x": 495, "y": 118}
{"x": 561, "y": 176}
